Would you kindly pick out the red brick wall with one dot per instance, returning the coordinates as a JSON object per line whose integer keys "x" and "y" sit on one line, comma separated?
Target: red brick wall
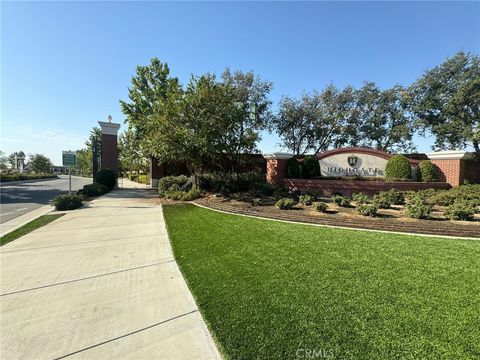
{"x": 277, "y": 170}
{"x": 450, "y": 171}
{"x": 348, "y": 187}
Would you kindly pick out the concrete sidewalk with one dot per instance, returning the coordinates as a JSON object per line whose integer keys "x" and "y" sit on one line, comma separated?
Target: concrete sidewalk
{"x": 99, "y": 283}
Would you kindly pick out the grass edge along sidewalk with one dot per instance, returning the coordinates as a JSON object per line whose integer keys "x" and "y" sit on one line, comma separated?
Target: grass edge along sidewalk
{"x": 28, "y": 227}
{"x": 271, "y": 290}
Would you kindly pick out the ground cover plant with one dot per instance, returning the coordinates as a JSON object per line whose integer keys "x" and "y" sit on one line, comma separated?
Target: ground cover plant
{"x": 267, "y": 288}
{"x": 29, "y": 227}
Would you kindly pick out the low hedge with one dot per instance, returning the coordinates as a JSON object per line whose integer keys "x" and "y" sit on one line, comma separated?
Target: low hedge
{"x": 67, "y": 202}
{"x": 92, "y": 190}
{"x": 189, "y": 195}
{"x": 418, "y": 207}
{"x": 17, "y": 177}
{"x": 460, "y": 210}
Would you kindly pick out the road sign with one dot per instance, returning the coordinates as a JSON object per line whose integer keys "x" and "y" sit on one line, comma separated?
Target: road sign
{"x": 69, "y": 158}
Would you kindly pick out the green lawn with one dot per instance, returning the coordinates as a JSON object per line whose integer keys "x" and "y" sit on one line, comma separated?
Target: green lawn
{"x": 25, "y": 229}
{"x": 267, "y": 289}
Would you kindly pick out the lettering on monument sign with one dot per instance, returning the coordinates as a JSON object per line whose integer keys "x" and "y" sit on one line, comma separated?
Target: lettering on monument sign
{"x": 353, "y": 165}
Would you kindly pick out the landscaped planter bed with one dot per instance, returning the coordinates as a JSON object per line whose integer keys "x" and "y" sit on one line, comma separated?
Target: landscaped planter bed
{"x": 388, "y": 219}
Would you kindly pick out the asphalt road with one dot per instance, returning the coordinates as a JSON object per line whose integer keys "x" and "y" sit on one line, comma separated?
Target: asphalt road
{"x": 22, "y": 197}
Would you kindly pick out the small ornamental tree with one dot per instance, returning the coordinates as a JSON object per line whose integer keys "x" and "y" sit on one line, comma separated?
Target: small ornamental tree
{"x": 398, "y": 168}
{"x": 427, "y": 171}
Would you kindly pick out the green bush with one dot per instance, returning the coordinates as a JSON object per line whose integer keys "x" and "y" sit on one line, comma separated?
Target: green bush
{"x": 257, "y": 202}
{"x": 418, "y": 207}
{"x": 310, "y": 167}
{"x": 382, "y": 200}
{"x": 133, "y": 177}
{"x": 427, "y": 171}
{"x": 228, "y": 183}
{"x": 189, "y": 195}
{"x": 305, "y": 199}
{"x": 360, "y": 198}
{"x": 293, "y": 168}
{"x": 67, "y": 202}
{"x": 106, "y": 177}
{"x": 143, "y": 179}
{"x": 174, "y": 183}
{"x": 442, "y": 198}
{"x": 367, "y": 209}
{"x": 285, "y": 204}
{"x": 92, "y": 190}
{"x": 395, "y": 196}
{"x": 341, "y": 201}
{"x": 320, "y": 206}
{"x": 460, "y": 210}
{"x": 398, "y": 168}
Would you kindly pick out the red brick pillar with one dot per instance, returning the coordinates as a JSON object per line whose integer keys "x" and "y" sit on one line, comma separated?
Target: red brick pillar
{"x": 277, "y": 167}
{"x": 109, "y": 155}
{"x": 450, "y": 165}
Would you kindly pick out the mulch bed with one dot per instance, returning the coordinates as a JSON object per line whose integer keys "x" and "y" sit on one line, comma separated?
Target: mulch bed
{"x": 388, "y": 219}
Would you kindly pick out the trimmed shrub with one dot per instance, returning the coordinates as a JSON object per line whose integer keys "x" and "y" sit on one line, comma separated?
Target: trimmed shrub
{"x": 305, "y": 199}
{"x": 92, "y": 190}
{"x": 293, "y": 168}
{"x": 106, "y": 177}
{"x": 22, "y": 176}
{"x": 395, "y": 196}
{"x": 398, "y": 168}
{"x": 67, "y": 202}
{"x": 382, "y": 200}
{"x": 189, "y": 195}
{"x": 367, "y": 209}
{"x": 442, "y": 198}
{"x": 227, "y": 183}
{"x": 310, "y": 167}
{"x": 460, "y": 210}
{"x": 427, "y": 171}
{"x": 360, "y": 198}
{"x": 418, "y": 208}
{"x": 174, "y": 183}
{"x": 257, "y": 202}
{"x": 285, "y": 204}
{"x": 341, "y": 201}
{"x": 320, "y": 206}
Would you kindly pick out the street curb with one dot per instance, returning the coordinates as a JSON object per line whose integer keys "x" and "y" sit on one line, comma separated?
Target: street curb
{"x": 24, "y": 219}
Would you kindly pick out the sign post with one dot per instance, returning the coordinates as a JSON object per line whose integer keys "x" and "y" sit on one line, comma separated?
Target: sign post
{"x": 69, "y": 159}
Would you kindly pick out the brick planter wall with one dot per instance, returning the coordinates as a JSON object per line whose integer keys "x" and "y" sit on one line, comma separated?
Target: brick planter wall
{"x": 347, "y": 187}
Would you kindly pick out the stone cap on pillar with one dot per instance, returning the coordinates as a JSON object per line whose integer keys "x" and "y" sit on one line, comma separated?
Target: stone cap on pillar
{"x": 109, "y": 128}
{"x": 278, "y": 156}
{"x": 449, "y": 155}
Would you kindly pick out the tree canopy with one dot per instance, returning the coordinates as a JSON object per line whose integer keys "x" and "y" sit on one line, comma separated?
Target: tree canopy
{"x": 446, "y": 102}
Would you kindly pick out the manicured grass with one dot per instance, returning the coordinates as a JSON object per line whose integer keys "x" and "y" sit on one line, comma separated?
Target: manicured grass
{"x": 25, "y": 229}
{"x": 267, "y": 289}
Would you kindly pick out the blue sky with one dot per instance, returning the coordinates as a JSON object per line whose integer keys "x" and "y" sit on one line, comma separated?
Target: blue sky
{"x": 65, "y": 65}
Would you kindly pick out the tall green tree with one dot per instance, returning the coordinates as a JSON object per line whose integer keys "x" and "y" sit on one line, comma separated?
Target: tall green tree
{"x": 249, "y": 114}
{"x": 316, "y": 122}
{"x": 446, "y": 102}
{"x": 40, "y": 163}
{"x": 3, "y": 160}
{"x": 382, "y": 118}
{"x": 190, "y": 124}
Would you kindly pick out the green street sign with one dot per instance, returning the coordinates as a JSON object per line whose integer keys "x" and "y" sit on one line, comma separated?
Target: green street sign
{"x": 69, "y": 158}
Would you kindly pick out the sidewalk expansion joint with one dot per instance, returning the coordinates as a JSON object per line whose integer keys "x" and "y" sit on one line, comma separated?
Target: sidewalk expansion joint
{"x": 126, "y": 335}
{"x": 87, "y": 278}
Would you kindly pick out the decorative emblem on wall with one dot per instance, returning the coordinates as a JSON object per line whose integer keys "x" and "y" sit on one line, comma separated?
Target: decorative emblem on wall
{"x": 352, "y": 160}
